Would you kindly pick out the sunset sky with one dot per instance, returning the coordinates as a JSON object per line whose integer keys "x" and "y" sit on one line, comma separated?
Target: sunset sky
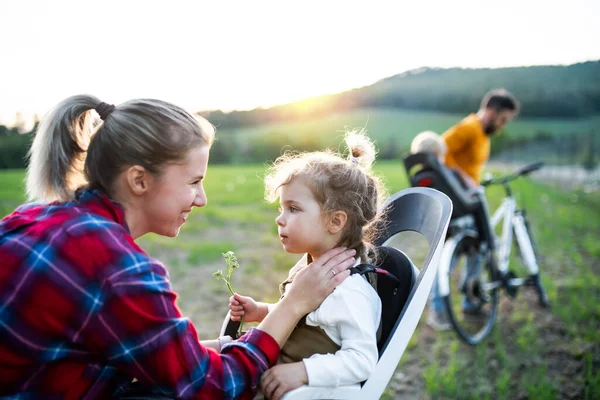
{"x": 240, "y": 55}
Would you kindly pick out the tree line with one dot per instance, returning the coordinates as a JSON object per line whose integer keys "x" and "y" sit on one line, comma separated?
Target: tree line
{"x": 14, "y": 147}
{"x": 240, "y": 149}
{"x": 544, "y": 91}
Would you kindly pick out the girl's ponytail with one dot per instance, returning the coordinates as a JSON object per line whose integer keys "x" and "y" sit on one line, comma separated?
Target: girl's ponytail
{"x": 361, "y": 148}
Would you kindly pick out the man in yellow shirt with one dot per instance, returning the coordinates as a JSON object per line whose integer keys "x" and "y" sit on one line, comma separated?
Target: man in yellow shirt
{"x": 468, "y": 142}
{"x": 468, "y": 150}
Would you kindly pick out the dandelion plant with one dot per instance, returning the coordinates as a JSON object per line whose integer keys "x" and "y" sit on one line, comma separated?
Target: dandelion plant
{"x": 231, "y": 263}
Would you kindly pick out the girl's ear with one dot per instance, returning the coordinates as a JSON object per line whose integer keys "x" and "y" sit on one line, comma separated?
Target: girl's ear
{"x": 337, "y": 221}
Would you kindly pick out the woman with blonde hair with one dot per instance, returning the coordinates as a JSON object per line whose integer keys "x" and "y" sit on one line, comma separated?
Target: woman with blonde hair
{"x": 84, "y": 310}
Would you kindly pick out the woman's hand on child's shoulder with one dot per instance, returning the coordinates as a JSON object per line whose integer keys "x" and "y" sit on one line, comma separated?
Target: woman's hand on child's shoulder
{"x": 315, "y": 282}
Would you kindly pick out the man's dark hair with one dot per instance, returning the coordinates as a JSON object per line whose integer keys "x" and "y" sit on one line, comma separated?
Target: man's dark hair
{"x": 500, "y": 100}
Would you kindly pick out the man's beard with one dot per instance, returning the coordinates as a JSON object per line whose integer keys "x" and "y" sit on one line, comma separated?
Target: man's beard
{"x": 490, "y": 128}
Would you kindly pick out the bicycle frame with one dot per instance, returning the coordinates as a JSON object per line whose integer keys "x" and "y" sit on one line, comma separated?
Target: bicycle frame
{"x": 513, "y": 221}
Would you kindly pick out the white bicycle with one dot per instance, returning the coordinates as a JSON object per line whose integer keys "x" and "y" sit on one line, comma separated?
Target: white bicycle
{"x": 471, "y": 272}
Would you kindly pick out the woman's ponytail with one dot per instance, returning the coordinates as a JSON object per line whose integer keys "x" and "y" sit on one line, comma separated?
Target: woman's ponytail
{"x": 58, "y": 152}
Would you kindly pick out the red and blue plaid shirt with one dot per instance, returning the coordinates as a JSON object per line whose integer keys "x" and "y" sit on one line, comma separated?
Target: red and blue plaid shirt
{"x": 83, "y": 310}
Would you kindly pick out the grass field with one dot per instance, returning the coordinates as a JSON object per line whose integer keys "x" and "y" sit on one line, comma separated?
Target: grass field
{"x": 403, "y": 125}
{"x": 533, "y": 353}
{"x": 393, "y": 131}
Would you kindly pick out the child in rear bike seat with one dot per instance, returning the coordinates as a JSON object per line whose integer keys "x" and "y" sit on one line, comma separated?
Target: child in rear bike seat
{"x": 326, "y": 201}
{"x": 431, "y": 142}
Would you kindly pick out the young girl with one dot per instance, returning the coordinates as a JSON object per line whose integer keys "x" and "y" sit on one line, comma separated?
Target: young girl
{"x": 326, "y": 201}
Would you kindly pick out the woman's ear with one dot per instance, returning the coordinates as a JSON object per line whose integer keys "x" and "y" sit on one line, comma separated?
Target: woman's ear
{"x": 337, "y": 221}
{"x": 137, "y": 179}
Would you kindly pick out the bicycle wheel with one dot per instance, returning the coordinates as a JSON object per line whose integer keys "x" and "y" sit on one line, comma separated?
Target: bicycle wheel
{"x": 472, "y": 301}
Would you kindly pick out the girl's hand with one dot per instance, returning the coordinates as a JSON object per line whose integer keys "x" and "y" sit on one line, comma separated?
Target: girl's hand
{"x": 246, "y": 306}
{"x": 282, "y": 378}
{"x": 314, "y": 283}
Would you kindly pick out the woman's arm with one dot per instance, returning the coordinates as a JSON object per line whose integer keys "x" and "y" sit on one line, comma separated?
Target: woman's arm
{"x": 139, "y": 329}
{"x": 136, "y": 325}
{"x": 311, "y": 286}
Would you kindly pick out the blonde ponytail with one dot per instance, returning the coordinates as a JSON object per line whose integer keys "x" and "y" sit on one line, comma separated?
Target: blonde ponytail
{"x": 69, "y": 151}
{"x": 57, "y": 155}
{"x": 361, "y": 148}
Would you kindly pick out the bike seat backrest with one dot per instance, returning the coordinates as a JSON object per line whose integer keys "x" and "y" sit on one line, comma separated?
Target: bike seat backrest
{"x": 393, "y": 294}
{"x": 424, "y": 169}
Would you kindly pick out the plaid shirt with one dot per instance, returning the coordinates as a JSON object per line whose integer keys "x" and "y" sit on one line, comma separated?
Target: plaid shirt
{"x": 83, "y": 310}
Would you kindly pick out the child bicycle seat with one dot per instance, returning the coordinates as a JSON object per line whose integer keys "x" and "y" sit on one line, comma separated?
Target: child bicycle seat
{"x": 424, "y": 169}
{"x": 396, "y": 275}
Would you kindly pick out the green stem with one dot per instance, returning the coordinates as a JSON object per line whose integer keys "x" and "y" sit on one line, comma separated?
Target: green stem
{"x": 240, "y": 328}
{"x": 242, "y": 320}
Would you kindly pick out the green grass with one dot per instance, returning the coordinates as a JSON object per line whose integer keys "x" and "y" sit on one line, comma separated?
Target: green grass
{"x": 384, "y": 124}
{"x": 519, "y": 359}
{"x": 392, "y": 129}
{"x": 12, "y": 190}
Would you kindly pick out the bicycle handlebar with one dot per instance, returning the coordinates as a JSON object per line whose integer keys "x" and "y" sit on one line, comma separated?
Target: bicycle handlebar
{"x": 507, "y": 178}
{"x": 530, "y": 168}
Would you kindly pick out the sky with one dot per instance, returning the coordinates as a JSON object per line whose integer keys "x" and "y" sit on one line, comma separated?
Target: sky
{"x": 241, "y": 55}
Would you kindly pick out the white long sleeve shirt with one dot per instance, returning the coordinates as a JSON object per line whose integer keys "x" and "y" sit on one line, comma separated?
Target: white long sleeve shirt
{"x": 350, "y": 317}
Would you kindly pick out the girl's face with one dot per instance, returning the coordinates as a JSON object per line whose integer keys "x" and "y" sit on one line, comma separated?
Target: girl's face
{"x": 173, "y": 194}
{"x": 301, "y": 227}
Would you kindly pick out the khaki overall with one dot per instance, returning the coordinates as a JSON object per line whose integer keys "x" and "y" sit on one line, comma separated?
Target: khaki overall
{"x": 305, "y": 340}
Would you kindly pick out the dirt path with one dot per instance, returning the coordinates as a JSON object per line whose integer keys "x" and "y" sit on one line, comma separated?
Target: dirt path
{"x": 554, "y": 349}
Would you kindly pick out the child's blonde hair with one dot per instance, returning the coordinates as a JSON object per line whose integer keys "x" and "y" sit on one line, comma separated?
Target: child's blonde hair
{"x": 429, "y": 142}
{"x": 338, "y": 183}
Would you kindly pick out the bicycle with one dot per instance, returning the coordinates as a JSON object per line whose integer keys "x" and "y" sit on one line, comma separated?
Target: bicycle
{"x": 472, "y": 272}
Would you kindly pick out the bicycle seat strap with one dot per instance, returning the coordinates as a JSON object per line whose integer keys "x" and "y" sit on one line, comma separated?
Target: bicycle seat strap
{"x": 363, "y": 269}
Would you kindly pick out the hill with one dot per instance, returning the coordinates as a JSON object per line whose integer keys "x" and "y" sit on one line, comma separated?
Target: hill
{"x": 544, "y": 91}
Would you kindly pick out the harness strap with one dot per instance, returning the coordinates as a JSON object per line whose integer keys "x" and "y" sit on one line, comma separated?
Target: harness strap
{"x": 363, "y": 269}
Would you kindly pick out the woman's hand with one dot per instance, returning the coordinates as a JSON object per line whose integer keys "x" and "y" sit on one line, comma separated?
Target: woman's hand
{"x": 282, "y": 378}
{"x": 310, "y": 287}
{"x": 314, "y": 283}
{"x": 246, "y": 306}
